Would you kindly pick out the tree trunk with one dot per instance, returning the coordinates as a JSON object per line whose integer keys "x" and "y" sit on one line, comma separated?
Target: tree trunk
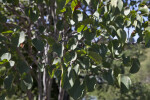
{"x": 61, "y": 93}
{"x": 66, "y": 96}
{"x": 39, "y": 86}
{"x": 49, "y": 88}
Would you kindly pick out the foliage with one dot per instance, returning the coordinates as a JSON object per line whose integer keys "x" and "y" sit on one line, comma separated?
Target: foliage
{"x": 71, "y": 43}
{"x": 140, "y": 87}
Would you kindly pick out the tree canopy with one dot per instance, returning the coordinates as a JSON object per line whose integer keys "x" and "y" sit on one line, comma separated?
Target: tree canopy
{"x": 75, "y": 44}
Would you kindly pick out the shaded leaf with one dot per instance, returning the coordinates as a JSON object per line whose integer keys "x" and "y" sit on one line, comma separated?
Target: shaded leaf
{"x": 90, "y": 83}
{"x": 108, "y": 76}
{"x": 8, "y": 82}
{"x": 77, "y": 90}
{"x": 95, "y": 57}
{"x": 22, "y": 67}
{"x": 70, "y": 56}
{"x": 135, "y": 66}
{"x": 58, "y": 48}
{"x": 28, "y": 81}
{"x": 2, "y": 97}
{"x": 49, "y": 39}
{"x": 38, "y": 44}
{"x": 72, "y": 44}
{"x": 103, "y": 50}
{"x": 147, "y": 36}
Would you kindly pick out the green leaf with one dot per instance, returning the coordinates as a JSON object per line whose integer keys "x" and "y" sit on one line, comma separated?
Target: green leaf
{"x": 69, "y": 78}
{"x": 70, "y": 56}
{"x": 65, "y": 81}
{"x": 41, "y": 29}
{"x": 126, "y": 11}
{"x": 1, "y": 28}
{"x": 67, "y": 1}
{"x": 89, "y": 35}
{"x": 73, "y": 4}
{"x": 80, "y": 17}
{"x": 60, "y": 25}
{"x": 38, "y": 44}
{"x": 147, "y": 28}
{"x": 21, "y": 38}
{"x": 58, "y": 48}
{"x": 144, "y": 10}
{"x": 22, "y": 67}
{"x": 33, "y": 13}
{"x": 124, "y": 82}
{"x": 56, "y": 61}
{"x": 114, "y": 3}
{"x": 126, "y": 60}
{"x": 82, "y": 28}
{"x": 90, "y": 83}
{"x": 76, "y": 68}
{"x": 103, "y": 50}
{"x": 49, "y": 39}
{"x": 88, "y": 1}
{"x": 94, "y": 4}
{"x": 3, "y": 19}
{"x": 95, "y": 57}
{"x": 72, "y": 43}
{"x": 15, "y": 40}
{"x": 8, "y": 82}
{"x": 7, "y": 32}
{"x": 120, "y": 4}
{"x": 2, "y": 72}
{"x": 76, "y": 15}
{"x": 121, "y": 35}
{"x": 2, "y": 97}
{"x": 77, "y": 90}
{"x": 60, "y": 4}
{"x": 139, "y": 18}
{"x": 135, "y": 66}
{"x": 108, "y": 76}
{"x": 147, "y": 36}
{"x": 6, "y": 56}
{"x": 52, "y": 69}
{"x": 84, "y": 62}
{"x": 39, "y": 1}
{"x": 28, "y": 81}
{"x": 23, "y": 86}
{"x": 12, "y": 63}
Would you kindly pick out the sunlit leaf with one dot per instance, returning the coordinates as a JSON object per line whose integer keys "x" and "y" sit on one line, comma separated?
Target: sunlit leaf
{"x": 120, "y": 4}
{"x": 6, "y": 56}
{"x": 126, "y": 11}
{"x": 21, "y": 38}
